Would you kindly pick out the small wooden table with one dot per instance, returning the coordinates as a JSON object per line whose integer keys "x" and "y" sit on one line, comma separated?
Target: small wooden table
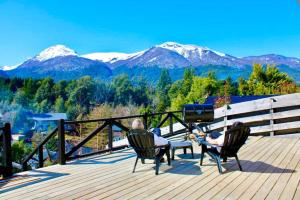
{"x": 181, "y": 145}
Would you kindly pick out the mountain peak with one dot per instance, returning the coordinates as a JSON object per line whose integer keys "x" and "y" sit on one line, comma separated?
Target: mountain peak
{"x": 55, "y": 51}
{"x": 187, "y": 49}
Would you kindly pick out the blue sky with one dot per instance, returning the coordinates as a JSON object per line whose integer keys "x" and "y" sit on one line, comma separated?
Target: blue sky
{"x": 236, "y": 27}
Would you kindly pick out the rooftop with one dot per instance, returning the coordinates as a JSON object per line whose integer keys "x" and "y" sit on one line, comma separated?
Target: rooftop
{"x": 271, "y": 170}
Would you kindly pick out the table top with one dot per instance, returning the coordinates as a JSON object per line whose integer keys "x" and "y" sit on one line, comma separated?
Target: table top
{"x": 181, "y": 144}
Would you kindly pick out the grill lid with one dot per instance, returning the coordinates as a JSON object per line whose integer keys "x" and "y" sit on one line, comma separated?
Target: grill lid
{"x": 198, "y": 113}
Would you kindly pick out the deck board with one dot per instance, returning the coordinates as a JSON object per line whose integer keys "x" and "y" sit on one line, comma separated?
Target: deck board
{"x": 271, "y": 170}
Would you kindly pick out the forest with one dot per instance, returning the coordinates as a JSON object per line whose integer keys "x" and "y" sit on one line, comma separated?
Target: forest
{"x": 81, "y": 98}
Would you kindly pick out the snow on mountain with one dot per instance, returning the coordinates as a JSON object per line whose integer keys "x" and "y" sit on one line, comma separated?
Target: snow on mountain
{"x": 273, "y": 59}
{"x": 186, "y": 50}
{"x": 55, "y": 51}
{"x": 111, "y": 57}
{"x": 7, "y": 68}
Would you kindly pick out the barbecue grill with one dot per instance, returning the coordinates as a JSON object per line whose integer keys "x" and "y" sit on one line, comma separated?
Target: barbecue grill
{"x": 193, "y": 113}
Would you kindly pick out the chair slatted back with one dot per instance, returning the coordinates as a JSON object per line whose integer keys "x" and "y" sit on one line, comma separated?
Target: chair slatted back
{"x": 234, "y": 139}
{"x": 142, "y": 142}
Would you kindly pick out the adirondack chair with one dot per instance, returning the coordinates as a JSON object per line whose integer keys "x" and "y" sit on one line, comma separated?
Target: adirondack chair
{"x": 142, "y": 141}
{"x": 234, "y": 139}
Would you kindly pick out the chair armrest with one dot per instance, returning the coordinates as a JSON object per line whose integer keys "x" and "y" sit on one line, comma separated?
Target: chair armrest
{"x": 162, "y": 146}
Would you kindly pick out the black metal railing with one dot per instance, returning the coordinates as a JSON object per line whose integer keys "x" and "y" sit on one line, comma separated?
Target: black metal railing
{"x": 104, "y": 123}
{"x": 6, "y": 169}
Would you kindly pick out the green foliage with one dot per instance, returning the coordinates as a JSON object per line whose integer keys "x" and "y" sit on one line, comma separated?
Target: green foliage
{"x": 78, "y": 97}
{"x": 163, "y": 87}
{"x": 19, "y": 151}
{"x": 266, "y": 80}
{"x": 202, "y": 88}
{"x": 45, "y": 91}
{"x": 123, "y": 89}
{"x": 21, "y": 98}
{"x": 59, "y": 105}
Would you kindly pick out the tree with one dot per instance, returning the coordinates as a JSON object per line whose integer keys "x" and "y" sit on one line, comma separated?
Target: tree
{"x": 30, "y": 87}
{"x": 19, "y": 151}
{"x": 164, "y": 82}
{"x": 59, "y": 89}
{"x": 267, "y": 80}
{"x": 123, "y": 89}
{"x": 141, "y": 92}
{"x": 45, "y": 92}
{"x": 59, "y": 105}
{"x": 188, "y": 76}
{"x": 201, "y": 89}
{"x": 21, "y": 98}
{"x": 82, "y": 94}
{"x": 163, "y": 87}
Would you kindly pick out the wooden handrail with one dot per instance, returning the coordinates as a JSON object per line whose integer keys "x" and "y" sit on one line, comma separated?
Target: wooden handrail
{"x": 38, "y": 149}
{"x": 107, "y": 122}
{"x": 119, "y": 118}
{"x": 7, "y": 169}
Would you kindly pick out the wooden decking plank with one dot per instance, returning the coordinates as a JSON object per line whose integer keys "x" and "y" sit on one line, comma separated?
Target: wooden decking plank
{"x": 177, "y": 188}
{"x": 126, "y": 176}
{"x": 99, "y": 178}
{"x": 253, "y": 139}
{"x": 96, "y": 187}
{"x": 207, "y": 188}
{"x": 88, "y": 171}
{"x": 196, "y": 183}
{"x": 252, "y": 189}
{"x": 128, "y": 190}
{"x": 285, "y": 176}
{"x": 291, "y": 187}
{"x": 184, "y": 180}
{"x": 225, "y": 187}
{"x": 235, "y": 189}
{"x": 275, "y": 174}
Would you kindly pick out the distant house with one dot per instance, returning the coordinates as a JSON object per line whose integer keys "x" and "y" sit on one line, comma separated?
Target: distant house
{"x": 117, "y": 133}
{"x": 45, "y": 121}
{"x": 237, "y": 99}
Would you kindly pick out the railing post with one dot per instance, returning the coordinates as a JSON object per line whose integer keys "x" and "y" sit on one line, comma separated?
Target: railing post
{"x": 61, "y": 142}
{"x": 41, "y": 158}
{"x": 145, "y": 120}
{"x": 171, "y": 123}
{"x": 7, "y": 151}
{"x": 271, "y": 117}
{"x": 225, "y": 118}
{"x": 110, "y": 136}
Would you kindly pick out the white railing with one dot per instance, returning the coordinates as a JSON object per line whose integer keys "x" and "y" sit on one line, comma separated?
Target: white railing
{"x": 273, "y": 115}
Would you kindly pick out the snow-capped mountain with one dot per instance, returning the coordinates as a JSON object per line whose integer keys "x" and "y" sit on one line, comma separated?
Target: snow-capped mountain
{"x": 173, "y": 55}
{"x": 54, "y": 51}
{"x": 111, "y": 57}
{"x": 6, "y": 68}
{"x": 273, "y": 59}
{"x": 61, "y": 62}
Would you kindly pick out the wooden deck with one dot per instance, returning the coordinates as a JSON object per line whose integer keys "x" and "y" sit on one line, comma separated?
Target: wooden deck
{"x": 271, "y": 171}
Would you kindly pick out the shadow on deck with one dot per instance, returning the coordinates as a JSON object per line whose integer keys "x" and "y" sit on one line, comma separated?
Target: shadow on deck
{"x": 271, "y": 169}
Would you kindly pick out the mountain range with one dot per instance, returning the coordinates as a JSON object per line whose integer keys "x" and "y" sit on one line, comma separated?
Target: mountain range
{"x": 61, "y": 62}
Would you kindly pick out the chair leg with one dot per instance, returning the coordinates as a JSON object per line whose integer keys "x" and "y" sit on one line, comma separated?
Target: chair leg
{"x": 184, "y": 150}
{"x": 135, "y": 164}
{"x": 173, "y": 153}
{"x": 192, "y": 151}
{"x": 217, "y": 158}
{"x": 201, "y": 158}
{"x": 238, "y": 161}
{"x": 157, "y": 163}
{"x": 168, "y": 156}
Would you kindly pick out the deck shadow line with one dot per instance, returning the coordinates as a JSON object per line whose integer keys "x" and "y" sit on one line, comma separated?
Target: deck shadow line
{"x": 40, "y": 176}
